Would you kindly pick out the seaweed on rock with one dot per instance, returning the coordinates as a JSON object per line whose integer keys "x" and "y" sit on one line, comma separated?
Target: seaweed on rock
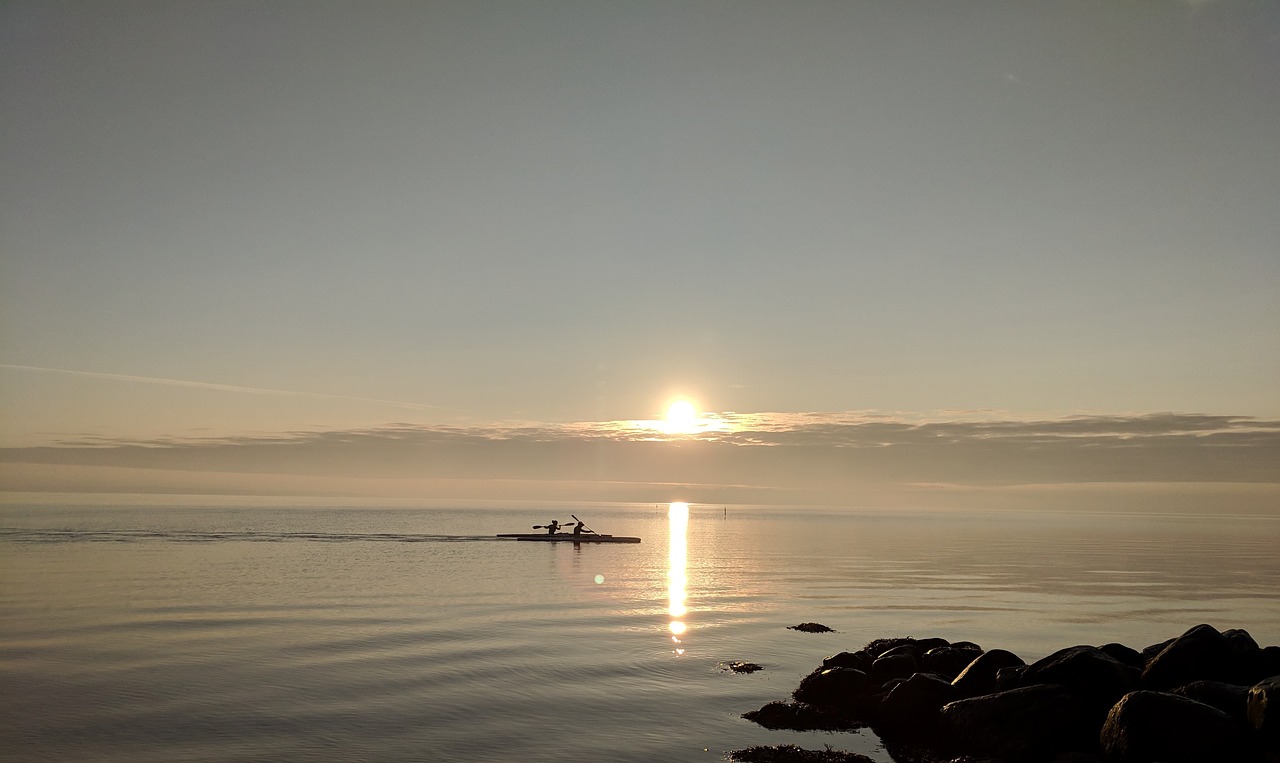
{"x": 789, "y": 753}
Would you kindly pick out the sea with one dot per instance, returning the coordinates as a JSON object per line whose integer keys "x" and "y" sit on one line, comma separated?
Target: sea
{"x": 222, "y": 633}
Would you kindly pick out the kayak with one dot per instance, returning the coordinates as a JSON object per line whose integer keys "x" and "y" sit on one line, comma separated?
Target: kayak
{"x": 570, "y": 537}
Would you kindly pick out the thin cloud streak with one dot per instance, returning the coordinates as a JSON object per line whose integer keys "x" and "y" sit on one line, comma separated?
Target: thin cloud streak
{"x": 800, "y": 430}
{"x": 190, "y": 384}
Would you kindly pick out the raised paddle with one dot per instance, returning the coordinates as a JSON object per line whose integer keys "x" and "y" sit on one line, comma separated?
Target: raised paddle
{"x": 584, "y": 526}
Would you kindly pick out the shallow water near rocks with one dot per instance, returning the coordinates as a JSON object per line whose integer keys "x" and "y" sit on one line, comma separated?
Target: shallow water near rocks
{"x": 245, "y": 633}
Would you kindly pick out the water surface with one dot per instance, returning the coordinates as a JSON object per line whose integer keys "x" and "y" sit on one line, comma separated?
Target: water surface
{"x": 328, "y": 633}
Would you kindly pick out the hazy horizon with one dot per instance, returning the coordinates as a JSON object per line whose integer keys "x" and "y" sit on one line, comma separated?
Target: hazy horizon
{"x": 1161, "y": 462}
{"x": 908, "y": 254}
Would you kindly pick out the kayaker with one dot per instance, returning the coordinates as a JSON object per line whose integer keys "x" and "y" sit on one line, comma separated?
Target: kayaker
{"x": 552, "y": 527}
{"x": 577, "y": 529}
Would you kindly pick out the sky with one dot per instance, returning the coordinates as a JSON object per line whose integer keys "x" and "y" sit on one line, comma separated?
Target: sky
{"x": 476, "y": 249}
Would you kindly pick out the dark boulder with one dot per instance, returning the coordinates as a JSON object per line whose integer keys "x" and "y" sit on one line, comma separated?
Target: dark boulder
{"x": 834, "y": 687}
{"x": 1149, "y": 653}
{"x": 881, "y": 645}
{"x": 1250, "y": 662}
{"x": 900, "y": 665}
{"x": 912, "y": 706}
{"x": 917, "y": 646}
{"x": 1146, "y": 726}
{"x": 947, "y": 660}
{"x": 800, "y": 717}
{"x": 1128, "y": 655}
{"x": 1010, "y": 677}
{"x": 925, "y": 644}
{"x": 859, "y": 660}
{"x": 1034, "y": 723}
{"x": 1241, "y": 641}
{"x": 979, "y": 676}
{"x": 1231, "y": 699}
{"x": 1092, "y": 674}
{"x": 909, "y": 649}
{"x": 1200, "y": 654}
{"x": 1263, "y": 710}
{"x": 1271, "y": 661}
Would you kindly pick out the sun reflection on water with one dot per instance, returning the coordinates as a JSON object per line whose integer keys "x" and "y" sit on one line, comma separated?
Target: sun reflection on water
{"x": 677, "y": 574}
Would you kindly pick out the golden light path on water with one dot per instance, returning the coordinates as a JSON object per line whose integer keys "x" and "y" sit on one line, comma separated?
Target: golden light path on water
{"x": 677, "y": 572}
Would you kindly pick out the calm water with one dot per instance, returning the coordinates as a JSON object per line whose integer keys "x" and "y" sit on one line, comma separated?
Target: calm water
{"x": 319, "y": 634}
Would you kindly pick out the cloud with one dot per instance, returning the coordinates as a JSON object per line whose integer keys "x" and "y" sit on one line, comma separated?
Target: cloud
{"x": 807, "y": 457}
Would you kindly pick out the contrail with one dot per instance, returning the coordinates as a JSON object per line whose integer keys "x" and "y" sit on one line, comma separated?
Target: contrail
{"x": 221, "y": 387}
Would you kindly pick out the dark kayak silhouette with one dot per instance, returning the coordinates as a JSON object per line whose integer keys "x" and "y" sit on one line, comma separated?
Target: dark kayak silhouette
{"x": 571, "y": 538}
{"x": 581, "y": 534}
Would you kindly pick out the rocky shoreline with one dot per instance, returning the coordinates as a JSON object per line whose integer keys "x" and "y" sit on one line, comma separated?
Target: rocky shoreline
{"x": 1200, "y": 697}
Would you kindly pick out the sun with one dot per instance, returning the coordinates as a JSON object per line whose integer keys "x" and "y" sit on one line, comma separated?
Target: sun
{"x": 682, "y": 416}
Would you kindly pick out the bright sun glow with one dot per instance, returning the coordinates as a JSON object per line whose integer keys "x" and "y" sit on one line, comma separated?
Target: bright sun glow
{"x": 682, "y": 417}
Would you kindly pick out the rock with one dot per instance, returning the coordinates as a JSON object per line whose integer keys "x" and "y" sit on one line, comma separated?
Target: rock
{"x": 1127, "y": 655}
{"x": 834, "y": 687}
{"x": 913, "y": 650}
{"x": 859, "y": 660}
{"x": 1200, "y": 654}
{"x": 1093, "y": 675}
{"x": 789, "y": 753}
{"x": 1271, "y": 660}
{"x": 1147, "y": 726}
{"x": 1250, "y": 662}
{"x": 880, "y": 646}
{"x": 1229, "y": 698}
{"x": 1241, "y": 641}
{"x": 947, "y": 660}
{"x": 979, "y": 676}
{"x": 738, "y": 666}
{"x": 912, "y": 705}
{"x": 877, "y": 647}
{"x": 1063, "y": 757}
{"x": 925, "y": 644}
{"x": 1010, "y": 677}
{"x": 810, "y": 628}
{"x": 931, "y": 700}
{"x": 1263, "y": 711}
{"x": 900, "y": 665}
{"x": 800, "y": 717}
{"x": 1031, "y": 723}
{"x": 1150, "y": 652}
